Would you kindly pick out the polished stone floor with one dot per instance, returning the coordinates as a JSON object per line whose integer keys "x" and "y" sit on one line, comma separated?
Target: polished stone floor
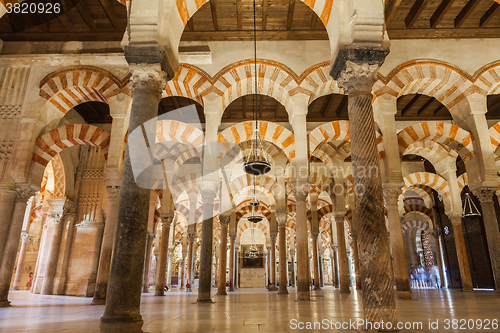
{"x": 248, "y": 310}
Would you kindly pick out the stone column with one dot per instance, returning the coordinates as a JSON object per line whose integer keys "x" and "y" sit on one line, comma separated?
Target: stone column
{"x": 123, "y": 297}
{"x": 166, "y": 220}
{"x": 300, "y": 191}
{"x": 7, "y": 202}
{"x": 190, "y": 278}
{"x": 283, "y": 287}
{"x": 237, "y": 269}
{"x": 463, "y": 261}
{"x": 57, "y": 214}
{"x": 208, "y": 191}
{"x": 292, "y": 256}
{"x": 485, "y": 196}
{"x": 399, "y": 261}
{"x": 224, "y": 222}
{"x": 232, "y": 264}
{"x": 436, "y": 233}
{"x": 272, "y": 258}
{"x": 355, "y": 257}
{"x": 335, "y": 280}
{"x": 182, "y": 265}
{"x": 267, "y": 265}
{"x": 321, "y": 271}
{"x": 169, "y": 267}
{"x": 12, "y": 243}
{"x": 147, "y": 263}
{"x": 25, "y": 238}
{"x": 315, "y": 260}
{"x": 342, "y": 254}
{"x": 378, "y": 292}
{"x": 108, "y": 240}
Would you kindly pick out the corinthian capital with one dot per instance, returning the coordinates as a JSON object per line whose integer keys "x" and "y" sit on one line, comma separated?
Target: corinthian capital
{"x": 25, "y": 237}
{"x": 23, "y": 194}
{"x": 391, "y": 195}
{"x": 358, "y": 78}
{"x": 281, "y": 219}
{"x": 208, "y": 190}
{"x": 485, "y": 194}
{"x": 113, "y": 192}
{"x": 148, "y": 76}
{"x": 300, "y": 189}
{"x": 224, "y": 220}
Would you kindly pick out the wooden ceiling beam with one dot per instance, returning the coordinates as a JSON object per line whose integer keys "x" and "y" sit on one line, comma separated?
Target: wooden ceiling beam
{"x": 244, "y": 106}
{"x": 328, "y": 106}
{"x": 409, "y": 105}
{"x": 261, "y": 105}
{"x": 444, "y": 33}
{"x": 341, "y": 106}
{"x": 391, "y": 8}
{"x": 276, "y": 109}
{"x": 291, "y": 8}
{"x": 62, "y": 18}
{"x": 465, "y": 12}
{"x": 176, "y": 103}
{"x": 425, "y": 106}
{"x": 190, "y": 24}
{"x": 222, "y": 35}
{"x": 106, "y": 5}
{"x": 414, "y": 13}
{"x": 264, "y": 14}
{"x": 213, "y": 9}
{"x": 314, "y": 21}
{"x": 440, "y": 12}
{"x": 85, "y": 15}
{"x": 238, "y": 14}
{"x": 489, "y": 14}
{"x": 493, "y": 106}
{"x": 436, "y": 110}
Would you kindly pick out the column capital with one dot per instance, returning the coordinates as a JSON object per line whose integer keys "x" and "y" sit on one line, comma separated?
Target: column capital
{"x": 436, "y": 233}
{"x": 113, "y": 192}
{"x": 484, "y": 194}
{"x": 358, "y": 78}
{"x": 148, "y": 77}
{"x": 192, "y": 236}
{"x": 23, "y": 194}
{"x": 300, "y": 189}
{"x": 25, "y": 237}
{"x": 455, "y": 218}
{"x": 273, "y": 236}
{"x": 208, "y": 191}
{"x": 391, "y": 195}
{"x": 292, "y": 252}
{"x": 224, "y": 220}
{"x": 339, "y": 217}
{"x": 281, "y": 219}
{"x": 166, "y": 219}
{"x": 232, "y": 236}
{"x": 151, "y": 237}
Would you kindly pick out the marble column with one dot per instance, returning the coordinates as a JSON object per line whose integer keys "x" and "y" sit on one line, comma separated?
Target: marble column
{"x": 182, "y": 267}
{"x": 224, "y": 222}
{"x": 315, "y": 260}
{"x": 169, "y": 267}
{"x": 232, "y": 264}
{"x": 267, "y": 265}
{"x": 208, "y": 190}
{"x": 300, "y": 191}
{"x": 147, "y": 263}
{"x": 378, "y": 293}
{"x": 190, "y": 277}
{"x": 57, "y": 214}
{"x": 237, "y": 268}
{"x": 463, "y": 261}
{"x": 108, "y": 240}
{"x": 123, "y": 298}
{"x": 342, "y": 254}
{"x": 12, "y": 243}
{"x": 166, "y": 220}
{"x": 283, "y": 287}
{"x": 399, "y": 261}
{"x": 25, "y": 238}
{"x": 485, "y": 196}
{"x": 292, "y": 256}
{"x": 355, "y": 257}
{"x": 273, "y": 261}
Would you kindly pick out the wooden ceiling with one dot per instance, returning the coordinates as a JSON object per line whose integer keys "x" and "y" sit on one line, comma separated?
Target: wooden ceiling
{"x": 99, "y": 20}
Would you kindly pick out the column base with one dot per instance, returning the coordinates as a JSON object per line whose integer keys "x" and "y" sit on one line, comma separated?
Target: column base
{"x": 344, "y": 291}
{"x": 272, "y": 288}
{"x": 303, "y": 296}
{"x": 188, "y": 290}
{"x": 98, "y": 301}
{"x": 5, "y": 304}
{"x": 404, "y": 294}
{"x": 122, "y": 327}
{"x": 282, "y": 291}
{"x": 317, "y": 288}
{"x": 467, "y": 289}
{"x": 221, "y": 293}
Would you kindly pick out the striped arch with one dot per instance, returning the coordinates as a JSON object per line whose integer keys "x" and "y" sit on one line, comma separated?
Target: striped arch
{"x": 463, "y": 181}
{"x": 246, "y": 180}
{"x": 270, "y": 132}
{"x": 416, "y": 205}
{"x": 242, "y": 226}
{"x": 489, "y": 77}
{"x": 190, "y": 82}
{"x": 448, "y": 84}
{"x": 443, "y": 133}
{"x": 495, "y": 142}
{"x": 273, "y": 79}
{"x": 54, "y": 141}
{"x": 317, "y": 79}
{"x": 429, "y": 180}
{"x": 434, "y": 152}
{"x": 248, "y": 209}
{"x": 66, "y": 88}
{"x": 176, "y": 131}
{"x": 331, "y": 131}
{"x": 416, "y": 224}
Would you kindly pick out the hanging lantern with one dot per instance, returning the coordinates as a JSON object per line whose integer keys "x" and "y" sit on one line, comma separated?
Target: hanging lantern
{"x": 254, "y": 218}
{"x": 470, "y": 209}
{"x": 256, "y": 163}
{"x": 253, "y": 251}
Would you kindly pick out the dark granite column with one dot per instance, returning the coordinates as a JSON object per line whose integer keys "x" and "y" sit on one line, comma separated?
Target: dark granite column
{"x": 315, "y": 259}
{"x": 224, "y": 222}
{"x": 123, "y": 299}
{"x": 281, "y": 219}
{"x": 463, "y": 260}
{"x": 378, "y": 286}
{"x": 147, "y": 262}
{"x": 12, "y": 243}
{"x": 485, "y": 196}
{"x": 208, "y": 190}
{"x": 335, "y": 267}
{"x": 300, "y": 191}
{"x": 342, "y": 254}
{"x": 232, "y": 260}
{"x": 108, "y": 240}
{"x": 190, "y": 278}
{"x": 166, "y": 220}
{"x": 273, "y": 261}
{"x": 399, "y": 261}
